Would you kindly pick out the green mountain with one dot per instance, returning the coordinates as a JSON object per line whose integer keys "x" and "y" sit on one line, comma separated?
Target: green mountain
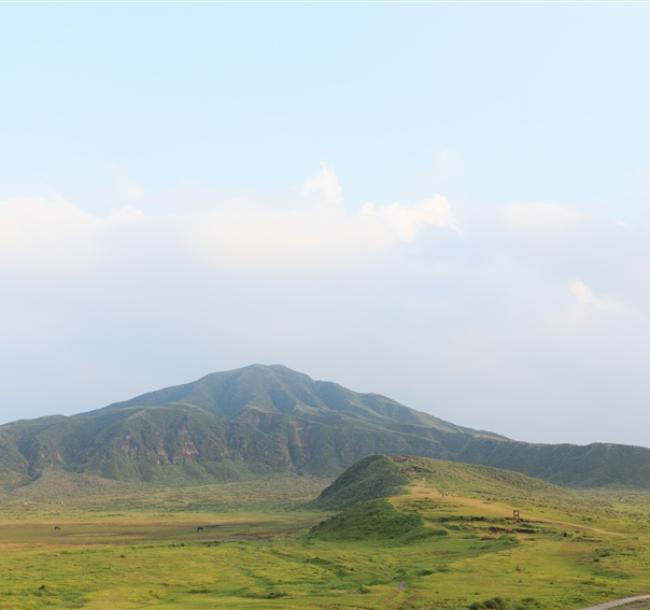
{"x": 269, "y": 419}
{"x": 400, "y": 498}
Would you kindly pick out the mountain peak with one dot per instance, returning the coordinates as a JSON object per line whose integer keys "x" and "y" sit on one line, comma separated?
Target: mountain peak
{"x": 260, "y": 369}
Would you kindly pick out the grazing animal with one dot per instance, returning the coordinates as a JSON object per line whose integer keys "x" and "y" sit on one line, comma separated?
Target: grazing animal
{"x": 57, "y": 528}
{"x": 199, "y": 529}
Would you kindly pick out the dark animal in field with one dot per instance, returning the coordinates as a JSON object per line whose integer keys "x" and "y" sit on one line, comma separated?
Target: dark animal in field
{"x": 57, "y": 528}
{"x": 199, "y": 529}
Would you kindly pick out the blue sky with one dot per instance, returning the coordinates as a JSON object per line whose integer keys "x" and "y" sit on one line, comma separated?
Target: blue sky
{"x": 445, "y": 203}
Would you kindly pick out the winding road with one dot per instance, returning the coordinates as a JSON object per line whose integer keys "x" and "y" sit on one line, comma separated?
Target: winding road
{"x": 627, "y": 602}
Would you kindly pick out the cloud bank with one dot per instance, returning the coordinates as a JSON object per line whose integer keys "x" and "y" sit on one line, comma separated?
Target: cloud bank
{"x": 53, "y": 235}
{"x": 304, "y": 236}
{"x": 315, "y": 231}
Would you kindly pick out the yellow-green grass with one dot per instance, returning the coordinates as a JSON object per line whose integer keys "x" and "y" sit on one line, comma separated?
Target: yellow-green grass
{"x": 138, "y": 547}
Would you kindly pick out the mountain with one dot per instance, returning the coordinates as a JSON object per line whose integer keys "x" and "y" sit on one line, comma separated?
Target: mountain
{"x": 269, "y": 419}
{"x": 401, "y": 497}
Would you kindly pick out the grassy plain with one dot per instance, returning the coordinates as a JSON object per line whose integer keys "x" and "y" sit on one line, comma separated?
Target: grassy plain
{"x": 123, "y": 546}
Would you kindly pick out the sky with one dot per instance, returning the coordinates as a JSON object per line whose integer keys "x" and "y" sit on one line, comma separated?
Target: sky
{"x": 445, "y": 203}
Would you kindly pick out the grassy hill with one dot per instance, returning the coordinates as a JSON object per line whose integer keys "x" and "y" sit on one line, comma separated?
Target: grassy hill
{"x": 380, "y": 476}
{"x": 392, "y": 498}
{"x": 261, "y": 420}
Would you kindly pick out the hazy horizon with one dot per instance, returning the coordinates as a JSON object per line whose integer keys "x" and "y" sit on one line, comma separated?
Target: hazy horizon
{"x": 444, "y": 204}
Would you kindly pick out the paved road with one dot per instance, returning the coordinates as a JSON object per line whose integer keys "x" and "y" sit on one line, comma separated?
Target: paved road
{"x": 626, "y": 603}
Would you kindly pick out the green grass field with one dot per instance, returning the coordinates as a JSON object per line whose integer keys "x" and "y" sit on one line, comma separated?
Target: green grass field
{"x": 452, "y": 546}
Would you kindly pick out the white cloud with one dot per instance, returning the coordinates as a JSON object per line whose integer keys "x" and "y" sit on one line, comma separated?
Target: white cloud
{"x": 540, "y": 217}
{"x": 326, "y": 184}
{"x": 38, "y": 234}
{"x": 54, "y": 235}
{"x": 404, "y": 221}
{"x": 304, "y": 236}
{"x": 309, "y": 233}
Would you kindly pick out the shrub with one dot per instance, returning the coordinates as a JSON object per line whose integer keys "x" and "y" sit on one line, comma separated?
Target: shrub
{"x": 495, "y": 603}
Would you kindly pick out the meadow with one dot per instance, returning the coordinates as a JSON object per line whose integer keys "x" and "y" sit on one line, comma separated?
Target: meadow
{"x": 78, "y": 542}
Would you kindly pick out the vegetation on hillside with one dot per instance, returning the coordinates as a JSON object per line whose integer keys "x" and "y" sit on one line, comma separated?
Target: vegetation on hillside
{"x": 376, "y": 519}
{"x": 376, "y": 476}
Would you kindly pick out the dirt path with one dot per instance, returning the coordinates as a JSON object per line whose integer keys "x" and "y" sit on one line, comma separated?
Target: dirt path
{"x": 627, "y": 603}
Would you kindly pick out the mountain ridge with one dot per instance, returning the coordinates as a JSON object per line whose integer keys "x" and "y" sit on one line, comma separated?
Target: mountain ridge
{"x": 261, "y": 419}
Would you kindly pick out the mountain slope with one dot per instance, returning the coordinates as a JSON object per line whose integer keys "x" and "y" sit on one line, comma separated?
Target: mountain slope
{"x": 270, "y": 419}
